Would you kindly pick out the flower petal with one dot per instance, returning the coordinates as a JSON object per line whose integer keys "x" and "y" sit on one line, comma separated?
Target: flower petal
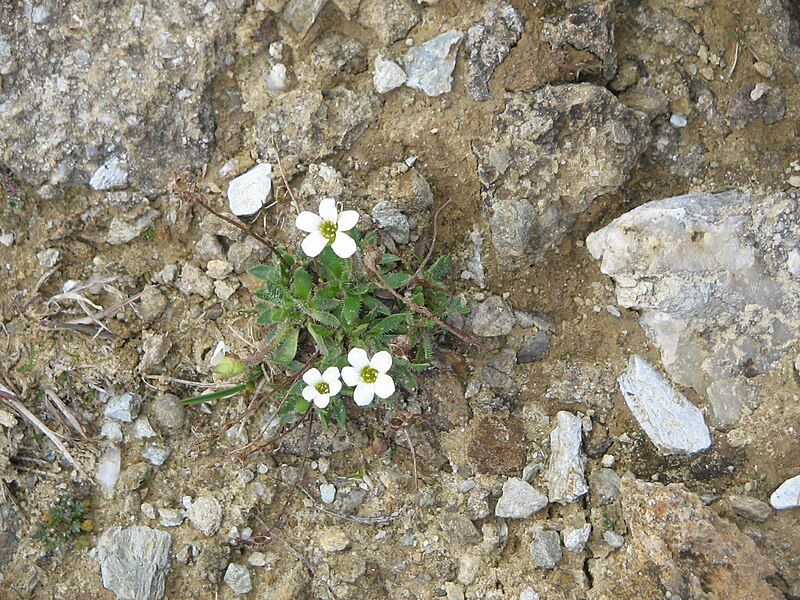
{"x": 308, "y": 221}
{"x": 330, "y": 375}
{"x": 347, "y": 220}
{"x": 343, "y": 245}
{"x": 381, "y": 362}
{"x": 327, "y": 210}
{"x": 364, "y": 393}
{"x": 322, "y": 400}
{"x": 350, "y": 376}
{"x": 358, "y": 358}
{"x": 384, "y": 386}
{"x": 312, "y": 376}
{"x": 314, "y": 244}
{"x": 310, "y": 392}
{"x": 334, "y": 387}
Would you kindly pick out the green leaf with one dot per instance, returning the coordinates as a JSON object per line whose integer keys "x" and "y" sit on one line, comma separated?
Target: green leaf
{"x": 264, "y": 272}
{"x": 389, "y": 258}
{"x": 302, "y": 284}
{"x": 373, "y": 304}
{"x": 325, "y": 318}
{"x": 214, "y": 395}
{"x": 339, "y": 411}
{"x": 324, "y": 418}
{"x": 334, "y": 265}
{"x": 229, "y": 367}
{"x": 327, "y": 303}
{"x": 287, "y": 348}
{"x": 405, "y": 378}
{"x": 351, "y": 308}
{"x": 371, "y": 238}
{"x": 321, "y": 337}
{"x": 391, "y": 324}
{"x": 440, "y": 268}
{"x": 396, "y": 279}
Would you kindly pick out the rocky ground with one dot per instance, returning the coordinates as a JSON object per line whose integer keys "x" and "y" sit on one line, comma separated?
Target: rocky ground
{"x": 621, "y": 186}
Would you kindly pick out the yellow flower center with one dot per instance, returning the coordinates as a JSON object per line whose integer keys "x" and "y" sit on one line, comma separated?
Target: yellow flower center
{"x": 328, "y": 230}
{"x": 369, "y": 375}
{"x": 322, "y": 387}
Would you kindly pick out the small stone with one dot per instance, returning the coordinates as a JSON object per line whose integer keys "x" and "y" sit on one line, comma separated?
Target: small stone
{"x": 492, "y": 317}
{"x": 48, "y": 258}
{"x": 168, "y": 411}
{"x": 219, "y": 269}
{"x": 124, "y": 407}
{"x": 249, "y": 192}
{"x": 156, "y": 454}
{"x": 128, "y": 226}
{"x": 257, "y": 559}
{"x": 764, "y": 69}
{"x": 565, "y": 473}
{"x": 794, "y": 181}
{"x": 225, "y": 289}
{"x": 152, "y": 304}
{"x": 671, "y": 422}
{"x": 206, "y": 514}
{"x": 112, "y": 174}
{"x": 171, "y": 517}
{"x": 429, "y": 67}
{"x": 613, "y": 539}
{"x": 678, "y": 121}
{"x": 237, "y": 577}
{"x": 333, "y": 539}
{"x": 520, "y": 500}
{"x": 387, "y": 75}
{"x": 155, "y": 348}
{"x": 245, "y": 254}
{"x": 141, "y": 429}
{"x": 391, "y": 20}
{"x": 608, "y": 461}
{"x": 392, "y": 221}
{"x": 194, "y": 281}
{"x": 750, "y": 508}
{"x": 111, "y": 430}
{"x": 604, "y": 485}
{"x": 277, "y": 80}
{"x": 7, "y": 240}
{"x": 575, "y": 539}
{"x": 134, "y": 562}
{"x": 208, "y": 247}
{"x": 787, "y": 495}
{"x": 528, "y": 594}
{"x": 545, "y": 548}
{"x": 327, "y": 492}
{"x": 148, "y": 510}
{"x": 301, "y": 14}
{"x": 534, "y": 348}
{"x": 108, "y": 470}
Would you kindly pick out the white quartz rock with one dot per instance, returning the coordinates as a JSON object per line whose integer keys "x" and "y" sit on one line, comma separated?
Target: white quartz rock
{"x": 671, "y": 422}
{"x": 565, "y": 473}
{"x": 787, "y": 495}
{"x": 387, "y": 75}
{"x": 108, "y": 470}
{"x": 112, "y": 174}
{"x": 250, "y": 191}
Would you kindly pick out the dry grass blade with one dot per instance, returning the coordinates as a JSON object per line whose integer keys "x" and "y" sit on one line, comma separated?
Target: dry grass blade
{"x": 12, "y": 401}
{"x": 68, "y": 414}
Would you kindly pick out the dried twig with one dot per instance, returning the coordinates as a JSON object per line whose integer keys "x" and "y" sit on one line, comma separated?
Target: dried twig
{"x": 184, "y": 187}
{"x": 68, "y": 414}
{"x": 429, "y": 254}
{"x": 283, "y": 175}
{"x": 464, "y": 336}
{"x": 735, "y": 61}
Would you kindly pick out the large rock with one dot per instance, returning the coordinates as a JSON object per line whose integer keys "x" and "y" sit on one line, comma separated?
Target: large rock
{"x": 671, "y": 422}
{"x": 678, "y": 548}
{"x": 112, "y": 92}
{"x": 715, "y": 279}
{"x": 549, "y": 155}
{"x": 134, "y": 562}
{"x": 784, "y": 17}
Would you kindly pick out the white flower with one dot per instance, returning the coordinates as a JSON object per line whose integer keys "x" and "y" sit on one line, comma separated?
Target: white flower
{"x": 368, "y": 375}
{"x": 328, "y": 227}
{"x": 321, "y": 387}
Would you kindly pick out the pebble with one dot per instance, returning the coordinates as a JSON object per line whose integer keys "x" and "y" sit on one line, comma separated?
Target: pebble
{"x": 250, "y": 191}
{"x": 108, "y": 470}
{"x": 534, "y": 348}
{"x": 608, "y": 461}
{"x": 277, "y": 79}
{"x": 148, "y": 510}
{"x": 429, "y": 66}
{"x": 787, "y": 495}
{"x": 613, "y": 539}
{"x": 141, "y": 429}
{"x": 218, "y": 269}
{"x": 528, "y": 594}
{"x": 671, "y": 422}
{"x": 334, "y": 539}
{"x": 565, "y": 472}
{"x": 206, "y": 514}
{"x": 764, "y": 69}
{"x": 112, "y": 174}
{"x": 124, "y": 407}
{"x": 492, "y": 317}
{"x": 171, "y": 517}
{"x": 750, "y": 508}
{"x": 237, "y": 577}
{"x": 111, "y": 430}
{"x": 327, "y": 492}
{"x": 575, "y": 539}
{"x": 387, "y": 75}
{"x": 257, "y": 559}
{"x": 545, "y": 548}
{"x": 678, "y": 121}
{"x": 156, "y": 454}
{"x": 794, "y": 181}
{"x": 168, "y": 411}
{"x": 520, "y": 500}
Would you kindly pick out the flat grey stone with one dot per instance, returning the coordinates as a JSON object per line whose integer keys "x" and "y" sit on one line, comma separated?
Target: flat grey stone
{"x": 565, "y": 472}
{"x": 124, "y": 407}
{"x": 520, "y": 500}
{"x": 134, "y": 562}
{"x": 237, "y": 577}
{"x": 429, "y": 66}
{"x": 545, "y": 548}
